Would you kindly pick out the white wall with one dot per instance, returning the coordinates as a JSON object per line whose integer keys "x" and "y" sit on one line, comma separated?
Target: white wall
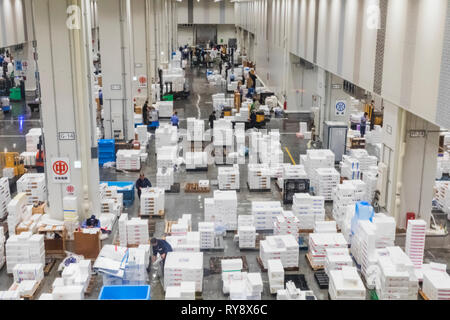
{"x": 206, "y": 12}
{"x": 225, "y": 32}
{"x": 12, "y": 26}
{"x": 185, "y": 36}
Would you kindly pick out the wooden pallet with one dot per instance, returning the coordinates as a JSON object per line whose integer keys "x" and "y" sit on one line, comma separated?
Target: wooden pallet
{"x": 194, "y": 188}
{"x": 160, "y": 214}
{"x": 27, "y": 297}
{"x": 215, "y": 263}
{"x": 314, "y": 267}
{"x": 423, "y": 295}
{"x": 305, "y": 231}
{"x": 49, "y": 265}
{"x": 168, "y": 227}
{"x": 261, "y": 266}
{"x": 91, "y": 285}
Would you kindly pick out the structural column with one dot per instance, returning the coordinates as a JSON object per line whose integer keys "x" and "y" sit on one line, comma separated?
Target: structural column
{"x": 64, "y": 50}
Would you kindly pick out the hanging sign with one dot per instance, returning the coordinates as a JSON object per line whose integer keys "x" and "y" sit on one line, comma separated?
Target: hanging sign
{"x": 60, "y": 170}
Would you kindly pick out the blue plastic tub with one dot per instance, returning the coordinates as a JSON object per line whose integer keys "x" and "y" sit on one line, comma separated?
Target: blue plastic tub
{"x": 128, "y": 195}
{"x": 125, "y": 293}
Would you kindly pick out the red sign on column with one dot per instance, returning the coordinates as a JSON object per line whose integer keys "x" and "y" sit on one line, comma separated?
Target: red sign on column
{"x": 60, "y": 170}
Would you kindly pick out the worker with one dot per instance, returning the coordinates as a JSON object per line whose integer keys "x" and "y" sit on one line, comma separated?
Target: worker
{"x": 362, "y": 127}
{"x": 252, "y": 119}
{"x": 372, "y": 116}
{"x": 162, "y": 247}
{"x": 255, "y": 105}
{"x": 145, "y": 113}
{"x": 40, "y": 160}
{"x": 220, "y": 67}
{"x": 142, "y": 183}
{"x": 212, "y": 118}
{"x": 174, "y": 120}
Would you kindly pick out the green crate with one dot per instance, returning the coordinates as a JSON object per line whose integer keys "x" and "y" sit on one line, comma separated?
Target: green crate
{"x": 168, "y": 97}
{"x": 15, "y": 94}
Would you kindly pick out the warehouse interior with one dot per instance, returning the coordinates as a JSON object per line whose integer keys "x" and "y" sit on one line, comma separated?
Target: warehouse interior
{"x": 224, "y": 150}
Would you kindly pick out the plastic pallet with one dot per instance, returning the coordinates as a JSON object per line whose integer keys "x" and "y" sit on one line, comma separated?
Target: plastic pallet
{"x": 322, "y": 279}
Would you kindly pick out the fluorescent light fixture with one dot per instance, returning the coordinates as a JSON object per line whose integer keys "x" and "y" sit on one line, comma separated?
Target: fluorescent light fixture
{"x": 134, "y": 78}
{"x": 77, "y": 164}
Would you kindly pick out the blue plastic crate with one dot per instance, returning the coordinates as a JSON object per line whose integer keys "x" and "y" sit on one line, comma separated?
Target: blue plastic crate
{"x": 125, "y": 293}
{"x": 128, "y": 195}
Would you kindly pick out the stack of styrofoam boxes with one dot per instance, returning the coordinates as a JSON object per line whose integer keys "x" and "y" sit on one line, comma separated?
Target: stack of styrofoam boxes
{"x": 2, "y": 247}
{"x": 253, "y": 147}
{"x": 365, "y": 161}
{"x": 183, "y": 225}
{"x": 207, "y": 235}
{"x": 223, "y": 137}
{"x": 308, "y": 209}
{"x": 350, "y": 168}
{"x": 284, "y": 247}
{"x": 325, "y": 181}
{"x": 248, "y": 287}
{"x": 75, "y": 274}
{"x": 152, "y": 201}
{"x": 246, "y": 231}
{"x": 166, "y": 156}
{"x": 228, "y": 178}
{"x": 111, "y": 201}
{"x": 443, "y": 165}
{"x": 128, "y": 159}
{"x": 374, "y": 136}
{"x": 415, "y": 241}
{"x": 32, "y": 139}
{"x": 28, "y": 271}
{"x": 185, "y": 291}
{"x": 317, "y": 158}
{"x": 33, "y": 184}
{"x": 166, "y": 135}
{"x": 243, "y": 113}
{"x": 29, "y": 158}
{"x": 239, "y": 135}
{"x": 318, "y": 242}
{"x": 17, "y": 211}
{"x": 269, "y": 148}
{"x": 231, "y": 270}
{"x": 265, "y": 213}
{"x": 123, "y": 240}
{"x": 442, "y": 196}
{"x": 5, "y": 197}
{"x": 343, "y": 196}
{"x": 195, "y": 129}
{"x": 396, "y": 279}
{"x": 277, "y": 170}
{"x": 304, "y": 130}
{"x": 335, "y": 259}
{"x": 70, "y": 208}
{"x": 275, "y": 272}
{"x": 187, "y": 243}
{"x": 222, "y": 209}
{"x": 258, "y": 176}
{"x": 370, "y": 179}
{"x": 137, "y": 231}
{"x": 142, "y": 135}
{"x": 177, "y": 86}
{"x": 289, "y": 171}
{"x": 293, "y": 293}
{"x": 436, "y": 285}
{"x": 286, "y": 223}
{"x": 165, "y": 178}
{"x": 325, "y": 227}
{"x": 346, "y": 284}
{"x": 218, "y": 102}
{"x": 196, "y": 160}
{"x": 184, "y": 266}
{"x": 10, "y": 295}
{"x": 24, "y": 248}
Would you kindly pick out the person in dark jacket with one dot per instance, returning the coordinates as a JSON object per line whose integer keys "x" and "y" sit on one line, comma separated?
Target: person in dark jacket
{"x": 253, "y": 119}
{"x": 162, "y": 247}
{"x": 212, "y": 118}
{"x": 145, "y": 113}
{"x": 142, "y": 183}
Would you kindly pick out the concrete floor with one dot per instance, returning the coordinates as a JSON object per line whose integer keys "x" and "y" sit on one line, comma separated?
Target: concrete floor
{"x": 438, "y": 249}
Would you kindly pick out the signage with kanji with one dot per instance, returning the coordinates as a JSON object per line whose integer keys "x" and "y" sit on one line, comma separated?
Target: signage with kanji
{"x": 60, "y": 170}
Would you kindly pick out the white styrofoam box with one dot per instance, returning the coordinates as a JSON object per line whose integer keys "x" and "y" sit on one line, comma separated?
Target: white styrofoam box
{"x": 283, "y": 247}
{"x": 165, "y": 178}
{"x": 195, "y": 129}
{"x": 5, "y": 196}
{"x": 24, "y": 248}
{"x": 228, "y": 178}
{"x": 324, "y": 181}
{"x": 17, "y": 211}
{"x": 265, "y": 213}
{"x": 185, "y": 291}
{"x": 142, "y": 134}
{"x": 190, "y": 242}
{"x": 318, "y": 242}
{"x": 207, "y": 235}
{"x": 317, "y": 158}
{"x": 32, "y": 139}
{"x": 345, "y": 284}
{"x": 436, "y": 285}
{"x": 68, "y": 293}
{"x": 325, "y": 227}
{"x": 415, "y": 241}
{"x": 165, "y": 108}
{"x": 222, "y": 209}
{"x": 275, "y": 271}
{"x": 128, "y": 159}
{"x": 166, "y": 156}
{"x": 28, "y": 271}
{"x": 152, "y": 201}
{"x": 184, "y": 266}
{"x": 336, "y": 258}
{"x": 286, "y": 223}
{"x": 364, "y": 159}
{"x": 33, "y": 185}
{"x": 308, "y": 209}
{"x": 137, "y": 231}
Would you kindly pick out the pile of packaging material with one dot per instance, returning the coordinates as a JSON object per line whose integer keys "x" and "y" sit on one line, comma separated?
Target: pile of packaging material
{"x": 325, "y": 227}
{"x": 17, "y": 212}
{"x": 166, "y": 156}
{"x": 196, "y": 160}
{"x": 184, "y": 266}
{"x": 2, "y": 247}
{"x": 396, "y": 279}
{"x": 123, "y": 266}
{"x": 32, "y": 139}
{"x": 5, "y": 196}
{"x": 186, "y": 243}
{"x": 271, "y": 101}
{"x": 24, "y": 248}
{"x": 308, "y": 209}
{"x": 207, "y": 235}
{"x": 152, "y": 201}
{"x": 183, "y": 225}
{"x": 275, "y": 272}
{"x": 350, "y": 168}
{"x": 367, "y": 238}
{"x": 142, "y": 135}
{"x": 33, "y": 184}
{"x": 319, "y": 242}
{"x": 364, "y": 159}
{"x": 258, "y": 176}
{"x": 346, "y": 284}
{"x": 29, "y": 158}
{"x": 284, "y": 247}
{"x": 374, "y": 136}
{"x": 185, "y": 291}
{"x": 304, "y": 130}
{"x": 133, "y": 231}
{"x": 222, "y": 209}
{"x": 74, "y": 280}
{"x": 195, "y": 129}
{"x": 165, "y": 178}
{"x": 415, "y": 241}
{"x": 317, "y": 158}
{"x": 128, "y": 159}
{"x": 286, "y": 223}
{"x": 223, "y": 133}
{"x": 293, "y": 293}
{"x": 324, "y": 181}
{"x": 166, "y": 135}
{"x": 246, "y": 231}
{"x": 436, "y": 284}
{"x": 265, "y": 213}
{"x": 347, "y": 194}
{"x": 228, "y": 178}
{"x": 70, "y": 208}
{"x": 336, "y": 258}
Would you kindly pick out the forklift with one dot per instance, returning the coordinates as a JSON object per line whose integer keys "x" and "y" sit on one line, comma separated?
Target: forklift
{"x": 13, "y": 160}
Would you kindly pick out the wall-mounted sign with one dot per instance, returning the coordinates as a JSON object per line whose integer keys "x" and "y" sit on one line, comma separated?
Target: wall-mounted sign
{"x": 66, "y": 135}
{"x": 116, "y": 87}
{"x": 142, "y": 82}
{"x": 417, "y": 133}
{"x": 340, "y": 107}
{"x": 60, "y": 170}
{"x": 138, "y": 65}
{"x": 70, "y": 190}
{"x": 336, "y": 86}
